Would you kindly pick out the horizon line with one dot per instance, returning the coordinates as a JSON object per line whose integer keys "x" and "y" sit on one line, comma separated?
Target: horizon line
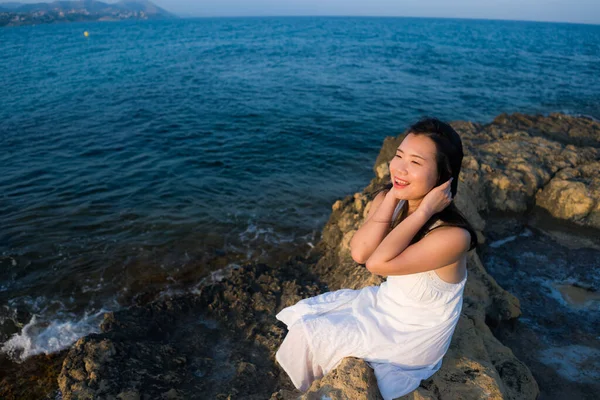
{"x": 184, "y": 16}
{"x": 193, "y": 15}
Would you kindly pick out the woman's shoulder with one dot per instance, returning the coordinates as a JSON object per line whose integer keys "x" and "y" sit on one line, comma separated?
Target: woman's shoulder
{"x": 380, "y": 194}
{"x": 378, "y": 198}
{"x": 450, "y": 229}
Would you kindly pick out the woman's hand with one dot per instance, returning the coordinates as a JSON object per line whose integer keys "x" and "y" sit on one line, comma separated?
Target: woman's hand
{"x": 437, "y": 199}
{"x": 391, "y": 194}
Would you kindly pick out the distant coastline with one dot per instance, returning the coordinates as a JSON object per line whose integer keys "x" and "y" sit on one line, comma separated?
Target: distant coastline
{"x": 17, "y": 14}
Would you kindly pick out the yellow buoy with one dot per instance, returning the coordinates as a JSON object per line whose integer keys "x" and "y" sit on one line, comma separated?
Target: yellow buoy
{"x": 86, "y": 34}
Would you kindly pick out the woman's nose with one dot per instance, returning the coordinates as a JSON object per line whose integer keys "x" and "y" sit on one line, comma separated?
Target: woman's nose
{"x": 400, "y": 168}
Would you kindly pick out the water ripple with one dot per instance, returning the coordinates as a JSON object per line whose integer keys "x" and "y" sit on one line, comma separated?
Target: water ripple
{"x": 135, "y": 156}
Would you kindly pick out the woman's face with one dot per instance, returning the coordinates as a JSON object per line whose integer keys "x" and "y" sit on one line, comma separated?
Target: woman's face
{"x": 413, "y": 170}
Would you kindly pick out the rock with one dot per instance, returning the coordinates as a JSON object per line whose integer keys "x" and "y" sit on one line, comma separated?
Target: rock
{"x": 129, "y": 395}
{"x": 420, "y": 394}
{"x": 172, "y": 394}
{"x": 352, "y": 379}
{"x": 33, "y": 378}
{"x": 81, "y": 373}
{"x": 580, "y": 131}
{"x": 217, "y": 343}
{"x": 574, "y": 194}
{"x": 387, "y": 152}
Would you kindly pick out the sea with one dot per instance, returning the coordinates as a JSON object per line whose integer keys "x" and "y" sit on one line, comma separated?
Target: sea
{"x": 146, "y": 157}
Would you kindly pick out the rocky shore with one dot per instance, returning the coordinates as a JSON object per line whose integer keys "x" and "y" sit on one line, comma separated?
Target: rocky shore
{"x": 529, "y": 185}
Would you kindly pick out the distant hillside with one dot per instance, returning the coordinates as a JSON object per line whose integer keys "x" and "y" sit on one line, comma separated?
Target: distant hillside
{"x": 12, "y": 14}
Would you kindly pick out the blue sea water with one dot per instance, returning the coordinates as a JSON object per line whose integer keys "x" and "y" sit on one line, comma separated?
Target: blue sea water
{"x": 133, "y": 156}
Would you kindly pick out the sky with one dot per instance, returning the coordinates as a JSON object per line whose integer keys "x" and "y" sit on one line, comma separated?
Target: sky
{"x": 578, "y": 11}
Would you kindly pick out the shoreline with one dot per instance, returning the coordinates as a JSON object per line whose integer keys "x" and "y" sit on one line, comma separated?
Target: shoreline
{"x": 221, "y": 338}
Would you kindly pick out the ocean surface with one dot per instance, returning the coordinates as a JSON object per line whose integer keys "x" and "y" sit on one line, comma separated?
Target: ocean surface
{"x": 139, "y": 159}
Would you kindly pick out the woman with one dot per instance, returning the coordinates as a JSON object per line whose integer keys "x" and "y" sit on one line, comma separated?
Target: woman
{"x": 414, "y": 235}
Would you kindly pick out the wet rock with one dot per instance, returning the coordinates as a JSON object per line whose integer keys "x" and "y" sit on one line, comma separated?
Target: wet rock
{"x": 128, "y": 395}
{"x": 215, "y": 343}
{"x": 556, "y": 283}
{"x": 575, "y": 362}
{"x": 580, "y": 297}
{"x": 34, "y": 378}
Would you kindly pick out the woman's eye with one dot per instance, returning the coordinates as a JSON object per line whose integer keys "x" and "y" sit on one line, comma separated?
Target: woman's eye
{"x": 414, "y": 162}
{"x": 398, "y": 155}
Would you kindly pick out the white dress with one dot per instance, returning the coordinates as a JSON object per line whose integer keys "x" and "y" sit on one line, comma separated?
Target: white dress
{"x": 402, "y": 328}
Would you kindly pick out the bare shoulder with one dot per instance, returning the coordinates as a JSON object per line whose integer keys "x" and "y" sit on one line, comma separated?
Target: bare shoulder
{"x": 380, "y": 196}
{"x": 458, "y": 237}
{"x": 455, "y": 242}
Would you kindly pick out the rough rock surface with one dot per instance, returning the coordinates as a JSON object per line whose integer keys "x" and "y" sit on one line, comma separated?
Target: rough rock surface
{"x": 509, "y": 162}
{"x": 352, "y": 379}
{"x": 34, "y": 378}
{"x": 219, "y": 340}
{"x": 215, "y": 343}
{"x": 574, "y": 194}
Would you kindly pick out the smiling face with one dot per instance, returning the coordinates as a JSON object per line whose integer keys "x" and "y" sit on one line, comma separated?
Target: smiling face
{"x": 413, "y": 170}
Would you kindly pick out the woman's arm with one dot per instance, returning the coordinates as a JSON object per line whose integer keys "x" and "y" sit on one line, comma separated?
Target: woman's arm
{"x": 397, "y": 240}
{"x": 439, "y": 248}
{"x": 375, "y": 227}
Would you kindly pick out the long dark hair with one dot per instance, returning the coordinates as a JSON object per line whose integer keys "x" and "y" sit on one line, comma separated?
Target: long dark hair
{"x": 449, "y": 157}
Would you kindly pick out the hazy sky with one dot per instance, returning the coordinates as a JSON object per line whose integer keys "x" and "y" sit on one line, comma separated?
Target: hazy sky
{"x": 586, "y": 11}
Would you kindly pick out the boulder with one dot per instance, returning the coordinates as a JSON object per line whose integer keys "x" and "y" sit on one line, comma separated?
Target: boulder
{"x": 573, "y": 194}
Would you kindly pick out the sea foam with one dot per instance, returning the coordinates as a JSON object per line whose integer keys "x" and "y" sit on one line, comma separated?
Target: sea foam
{"x": 38, "y": 337}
